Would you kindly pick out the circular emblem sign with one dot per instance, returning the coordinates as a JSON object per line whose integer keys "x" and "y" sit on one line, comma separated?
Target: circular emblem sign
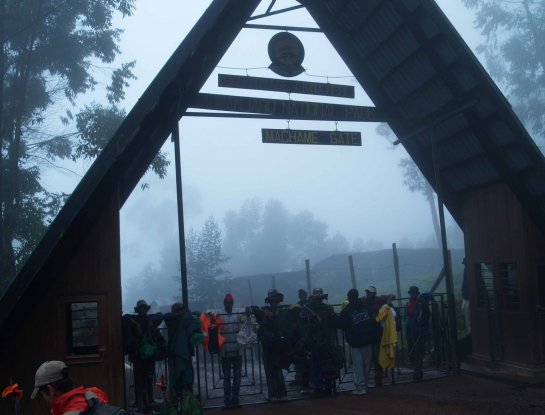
{"x": 287, "y": 53}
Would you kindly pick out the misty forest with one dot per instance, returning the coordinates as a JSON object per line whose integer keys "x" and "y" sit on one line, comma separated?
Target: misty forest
{"x": 64, "y": 82}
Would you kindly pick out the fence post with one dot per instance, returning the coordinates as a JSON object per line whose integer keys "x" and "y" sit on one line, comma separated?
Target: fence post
{"x": 307, "y": 267}
{"x": 352, "y": 272}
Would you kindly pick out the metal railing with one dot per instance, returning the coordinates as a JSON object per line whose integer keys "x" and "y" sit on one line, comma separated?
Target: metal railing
{"x": 209, "y": 378}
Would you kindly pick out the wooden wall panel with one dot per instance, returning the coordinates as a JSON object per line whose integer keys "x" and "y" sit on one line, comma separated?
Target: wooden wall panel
{"x": 92, "y": 272}
{"x": 497, "y": 229}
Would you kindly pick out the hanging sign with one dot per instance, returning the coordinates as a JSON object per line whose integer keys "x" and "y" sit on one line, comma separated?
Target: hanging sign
{"x": 291, "y": 110}
{"x": 312, "y": 137}
{"x": 287, "y": 54}
{"x": 286, "y": 85}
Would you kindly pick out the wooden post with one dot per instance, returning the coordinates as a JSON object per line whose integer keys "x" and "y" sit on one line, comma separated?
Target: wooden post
{"x": 352, "y": 272}
{"x": 251, "y": 292}
{"x": 180, "y": 206}
{"x": 396, "y": 270}
{"x": 307, "y": 267}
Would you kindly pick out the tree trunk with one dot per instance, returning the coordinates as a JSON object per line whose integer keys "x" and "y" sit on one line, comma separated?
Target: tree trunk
{"x": 11, "y": 185}
{"x": 433, "y": 210}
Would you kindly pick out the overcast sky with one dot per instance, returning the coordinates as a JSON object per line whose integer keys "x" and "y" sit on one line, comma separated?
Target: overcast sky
{"x": 357, "y": 191}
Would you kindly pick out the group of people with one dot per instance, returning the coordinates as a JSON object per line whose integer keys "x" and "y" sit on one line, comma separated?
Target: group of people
{"x": 144, "y": 344}
{"x": 302, "y": 335}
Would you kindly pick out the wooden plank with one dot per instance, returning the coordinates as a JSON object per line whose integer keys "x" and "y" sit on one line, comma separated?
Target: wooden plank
{"x": 285, "y": 85}
{"x": 293, "y": 110}
{"x": 312, "y": 137}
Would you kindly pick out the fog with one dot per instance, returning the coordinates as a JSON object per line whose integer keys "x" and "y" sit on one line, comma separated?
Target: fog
{"x": 357, "y": 191}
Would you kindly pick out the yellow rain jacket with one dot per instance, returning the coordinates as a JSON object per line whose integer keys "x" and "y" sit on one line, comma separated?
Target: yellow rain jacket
{"x": 388, "y": 343}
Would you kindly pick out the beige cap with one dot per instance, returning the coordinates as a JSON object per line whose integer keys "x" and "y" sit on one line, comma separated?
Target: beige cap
{"x": 49, "y": 372}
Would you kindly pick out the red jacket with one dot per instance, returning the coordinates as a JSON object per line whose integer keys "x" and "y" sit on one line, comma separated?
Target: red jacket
{"x": 74, "y": 401}
{"x": 211, "y": 320}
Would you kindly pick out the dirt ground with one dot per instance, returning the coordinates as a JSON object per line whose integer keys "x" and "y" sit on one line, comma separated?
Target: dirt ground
{"x": 462, "y": 394}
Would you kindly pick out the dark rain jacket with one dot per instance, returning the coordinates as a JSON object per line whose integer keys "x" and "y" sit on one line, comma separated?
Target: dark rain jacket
{"x": 359, "y": 327}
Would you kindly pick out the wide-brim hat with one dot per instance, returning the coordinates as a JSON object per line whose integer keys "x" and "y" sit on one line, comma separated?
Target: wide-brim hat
{"x": 317, "y": 294}
{"x": 274, "y": 296}
{"x": 371, "y": 289}
{"x": 141, "y": 304}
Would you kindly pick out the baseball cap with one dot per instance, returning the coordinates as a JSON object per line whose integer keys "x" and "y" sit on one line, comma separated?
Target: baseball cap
{"x": 371, "y": 289}
{"x": 49, "y": 372}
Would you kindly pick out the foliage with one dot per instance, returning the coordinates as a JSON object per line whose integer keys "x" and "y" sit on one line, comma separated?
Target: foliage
{"x": 206, "y": 277}
{"x": 51, "y": 51}
{"x": 515, "y": 32}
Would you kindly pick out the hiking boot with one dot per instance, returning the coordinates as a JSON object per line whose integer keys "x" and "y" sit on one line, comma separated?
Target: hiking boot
{"x": 359, "y": 392}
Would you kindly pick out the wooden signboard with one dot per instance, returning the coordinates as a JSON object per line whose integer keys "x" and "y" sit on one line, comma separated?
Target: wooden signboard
{"x": 285, "y": 85}
{"x": 312, "y": 137}
{"x": 291, "y": 110}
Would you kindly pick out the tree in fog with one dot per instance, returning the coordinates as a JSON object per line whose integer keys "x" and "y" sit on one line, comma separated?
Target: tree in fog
{"x": 416, "y": 182}
{"x": 514, "y": 53}
{"x": 268, "y": 238}
{"x": 206, "y": 277}
{"x": 50, "y": 51}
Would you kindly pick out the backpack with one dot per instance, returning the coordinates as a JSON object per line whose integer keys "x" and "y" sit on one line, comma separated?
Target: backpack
{"x": 99, "y": 408}
{"x": 213, "y": 339}
{"x": 147, "y": 349}
{"x": 191, "y": 405}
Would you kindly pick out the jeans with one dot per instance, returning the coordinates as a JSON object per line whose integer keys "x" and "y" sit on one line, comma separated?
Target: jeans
{"x": 361, "y": 362}
{"x": 276, "y": 387}
{"x": 232, "y": 372}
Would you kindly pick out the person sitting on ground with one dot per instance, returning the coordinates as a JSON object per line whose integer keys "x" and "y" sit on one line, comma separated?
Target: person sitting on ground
{"x": 53, "y": 383}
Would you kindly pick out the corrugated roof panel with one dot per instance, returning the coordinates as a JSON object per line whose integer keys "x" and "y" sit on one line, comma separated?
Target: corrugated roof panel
{"x": 535, "y": 183}
{"x": 383, "y": 23}
{"x": 475, "y": 172}
{"x": 399, "y": 47}
{"x": 516, "y": 158}
{"x": 445, "y": 50}
{"x": 363, "y": 8}
{"x": 410, "y": 5}
{"x": 428, "y": 99}
{"x": 485, "y": 107}
{"x": 428, "y": 26}
{"x": 464, "y": 77}
{"x": 499, "y": 132}
{"x": 416, "y": 71}
{"x": 450, "y": 126}
{"x": 458, "y": 148}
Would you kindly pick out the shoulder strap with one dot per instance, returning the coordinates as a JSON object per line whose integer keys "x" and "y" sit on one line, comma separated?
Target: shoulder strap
{"x": 313, "y": 313}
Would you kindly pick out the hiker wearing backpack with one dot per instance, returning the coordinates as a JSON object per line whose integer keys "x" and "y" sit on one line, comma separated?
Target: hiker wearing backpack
{"x": 317, "y": 331}
{"x": 184, "y": 333}
{"x": 361, "y": 331}
{"x": 53, "y": 383}
{"x": 276, "y": 347}
{"x": 145, "y": 349}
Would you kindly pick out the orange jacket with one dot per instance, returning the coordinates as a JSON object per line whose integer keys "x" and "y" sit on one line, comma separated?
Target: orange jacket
{"x": 210, "y": 320}
{"x": 74, "y": 400}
